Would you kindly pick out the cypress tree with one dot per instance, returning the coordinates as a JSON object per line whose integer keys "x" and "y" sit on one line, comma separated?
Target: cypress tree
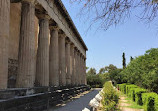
{"x": 131, "y": 58}
{"x": 124, "y": 61}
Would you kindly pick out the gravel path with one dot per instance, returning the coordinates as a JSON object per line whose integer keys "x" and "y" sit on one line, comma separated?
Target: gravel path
{"x": 78, "y": 103}
{"x": 124, "y": 103}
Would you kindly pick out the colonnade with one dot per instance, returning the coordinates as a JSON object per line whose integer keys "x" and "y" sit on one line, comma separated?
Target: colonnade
{"x": 58, "y": 61}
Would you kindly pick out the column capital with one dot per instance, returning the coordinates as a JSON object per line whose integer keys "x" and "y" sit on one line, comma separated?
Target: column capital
{"x": 81, "y": 54}
{"x": 43, "y": 16}
{"x": 30, "y": 1}
{"x": 72, "y": 45}
{"x": 54, "y": 28}
{"x": 78, "y": 52}
{"x": 83, "y": 57}
{"x": 63, "y": 35}
{"x": 76, "y": 49}
{"x": 68, "y": 41}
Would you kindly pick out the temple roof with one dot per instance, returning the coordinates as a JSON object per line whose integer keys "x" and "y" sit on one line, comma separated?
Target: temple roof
{"x": 69, "y": 20}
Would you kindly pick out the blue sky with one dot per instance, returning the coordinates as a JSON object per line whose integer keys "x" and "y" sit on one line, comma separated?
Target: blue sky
{"x": 106, "y": 47}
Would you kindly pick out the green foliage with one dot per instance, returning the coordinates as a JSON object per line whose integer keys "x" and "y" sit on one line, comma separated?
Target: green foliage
{"x": 140, "y": 96}
{"x": 150, "y": 101}
{"x": 102, "y": 71}
{"x": 129, "y": 88}
{"x": 132, "y": 93}
{"x": 115, "y": 75}
{"x": 122, "y": 87}
{"x": 92, "y": 71}
{"x": 142, "y": 71}
{"x": 87, "y": 68}
{"x": 131, "y": 58}
{"x": 110, "y": 97}
{"x": 110, "y": 68}
{"x": 97, "y": 80}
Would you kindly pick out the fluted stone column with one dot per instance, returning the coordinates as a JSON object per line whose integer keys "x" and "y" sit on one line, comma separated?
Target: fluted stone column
{"x": 83, "y": 68}
{"x": 27, "y": 62}
{"x": 78, "y": 70}
{"x": 67, "y": 52}
{"x": 85, "y": 79}
{"x": 75, "y": 66}
{"x": 62, "y": 68}
{"x": 42, "y": 66}
{"x": 54, "y": 57}
{"x": 4, "y": 35}
{"x": 72, "y": 64}
{"x": 82, "y": 77}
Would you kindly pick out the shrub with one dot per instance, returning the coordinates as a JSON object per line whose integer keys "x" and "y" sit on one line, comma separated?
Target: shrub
{"x": 141, "y": 96}
{"x": 150, "y": 101}
{"x": 110, "y": 97}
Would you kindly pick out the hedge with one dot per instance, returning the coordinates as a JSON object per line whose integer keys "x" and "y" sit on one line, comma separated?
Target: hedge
{"x": 122, "y": 87}
{"x": 132, "y": 93}
{"x": 150, "y": 101}
{"x": 141, "y": 96}
{"x": 138, "y": 95}
{"x": 128, "y": 87}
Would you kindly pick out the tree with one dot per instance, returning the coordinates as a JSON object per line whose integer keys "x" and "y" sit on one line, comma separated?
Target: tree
{"x": 92, "y": 71}
{"x": 131, "y": 58}
{"x": 114, "y": 12}
{"x": 143, "y": 71}
{"x": 123, "y": 60}
{"x": 110, "y": 68}
{"x": 87, "y": 68}
{"x": 102, "y": 71}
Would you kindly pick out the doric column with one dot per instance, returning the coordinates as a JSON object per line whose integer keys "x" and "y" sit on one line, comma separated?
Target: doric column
{"x": 78, "y": 66}
{"x": 67, "y": 52}
{"x": 79, "y": 73}
{"x": 27, "y": 62}
{"x": 42, "y": 64}
{"x": 54, "y": 57}
{"x": 4, "y": 35}
{"x": 62, "y": 68}
{"x": 75, "y": 66}
{"x": 80, "y": 69}
{"x": 72, "y": 64}
{"x": 82, "y": 75}
{"x": 85, "y": 79}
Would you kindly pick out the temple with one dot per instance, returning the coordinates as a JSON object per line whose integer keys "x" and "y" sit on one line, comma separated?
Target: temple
{"x": 41, "y": 50}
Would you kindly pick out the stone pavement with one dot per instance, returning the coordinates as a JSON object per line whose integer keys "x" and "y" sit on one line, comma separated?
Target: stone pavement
{"x": 78, "y": 103}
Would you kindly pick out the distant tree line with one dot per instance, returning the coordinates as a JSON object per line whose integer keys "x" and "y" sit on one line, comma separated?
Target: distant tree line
{"x": 141, "y": 71}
